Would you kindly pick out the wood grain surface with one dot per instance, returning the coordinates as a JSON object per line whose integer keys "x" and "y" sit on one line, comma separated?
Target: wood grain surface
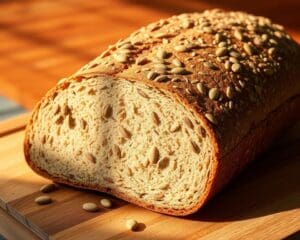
{"x": 42, "y": 41}
{"x": 262, "y": 203}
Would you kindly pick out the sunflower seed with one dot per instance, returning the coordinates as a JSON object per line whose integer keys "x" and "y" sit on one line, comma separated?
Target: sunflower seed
{"x": 187, "y": 24}
{"x": 83, "y": 123}
{"x": 142, "y": 93}
{"x": 188, "y": 122}
{"x": 42, "y": 200}
{"x": 90, "y": 207}
{"x": 236, "y": 67}
{"x": 56, "y": 109}
{"x": 221, "y": 51}
{"x": 229, "y": 92}
{"x": 116, "y": 150}
{"x": 106, "y": 203}
{"x": 90, "y": 157}
{"x": 210, "y": 65}
{"x": 227, "y": 65}
{"x": 155, "y": 118}
{"x": 180, "y": 48}
{"x": 211, "y": 118}
{"x": 248, "y": 49}
{"x": 194, "y": 147}
{"x": 154, "y": 155}
{"x": 132, "y": 224}
{"x": 213, "y": 93}
{"x": 201, "y": 88}
{"x": 107, "y": 111}
{"x": 125, "y": 133}
{"x": 152, "y": 75}
{"x": 174, "y": 128}
{"x": 163, "y": 163}
{"x": 179, "y": 70}
{"x": 235, "y": 54}
{"x": 163, "y": 35}
{"x": 121, "y": 57}
{"x": 177, "y": 63}
{"x": 162, "y": 78}
{"x": 238, "y": 35}
{"x": 158, "y": 196}
{"x": 142, "y": 61}
{"x": 59, "y": 119}
{"x": 48, "y": 188}
{"x": 162, "y": 54}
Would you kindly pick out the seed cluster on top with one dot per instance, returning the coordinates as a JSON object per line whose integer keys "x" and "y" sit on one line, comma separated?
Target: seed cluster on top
{"x": 189, "y": 50}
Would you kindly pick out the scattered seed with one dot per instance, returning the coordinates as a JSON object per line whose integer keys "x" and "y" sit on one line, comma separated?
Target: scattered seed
{"x": 90, "y": 207}
{"x": 48, "y": 188}
{"x": 107, "y": 111}
{"x": 233, "y": 60}
{"x": 222, "y": 44}
{"x": 42, "y": 200}
{"x": 90, "y": 157}
{"x": 221, "y": 51}
{"x": 164, "y": 186}
{"x": 188, "y": 122}
{"x": 194, "y": 147}
{"x": 211, "y": 118}
{"x": 132, "y": 224}
{"x": 152, "y": 75}
{"x": 125, "y": 133}
{"x": 229, "y": 92}
{"x": 213, "y": 93}
{"x": 235, "y": 54}
{"x": 236, "y": 67}
{"x": 116, "y": 150}
{"x": 180, "y": 48}
{"x": 154, "y": 155}
{"x": 106, "y": 203}
{"x": 179, "y": 70}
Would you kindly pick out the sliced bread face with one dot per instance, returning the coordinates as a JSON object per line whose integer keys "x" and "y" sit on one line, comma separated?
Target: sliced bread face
{"x": 122, "y": 137}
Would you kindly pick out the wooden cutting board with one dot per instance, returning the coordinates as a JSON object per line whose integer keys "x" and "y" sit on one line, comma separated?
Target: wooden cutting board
{"x": 263, "y": 203}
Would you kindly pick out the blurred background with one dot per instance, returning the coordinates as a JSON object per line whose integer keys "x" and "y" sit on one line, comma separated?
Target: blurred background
{"x": 42, "y": 41}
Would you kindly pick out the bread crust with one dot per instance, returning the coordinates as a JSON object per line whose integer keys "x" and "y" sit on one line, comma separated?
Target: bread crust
{"x": 257, "y": 123}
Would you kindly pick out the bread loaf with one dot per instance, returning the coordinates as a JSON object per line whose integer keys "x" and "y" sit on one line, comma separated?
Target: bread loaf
{"x": 168, "y": 116}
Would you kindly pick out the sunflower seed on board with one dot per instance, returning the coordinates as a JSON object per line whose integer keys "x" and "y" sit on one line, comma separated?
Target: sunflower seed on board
{"x": 90, "y": 207}
{"x": 105, "y": 203}
{"x": 163, "y": 163}
{"x": 177, "y": 63}
{"x": 238, "y": 35}
{"x": 154, "y": 155}
{"x": 221, "y": 51}
{"x": 210, "y": 65}
{"x": 132, "y": 224}
{"x": 162, "y": 78}
{"x": 121, "y": 57}
{"x": 47, "y": 188}
{"x": 42, "y": 200}
{"x": 162, "y": 54}
{"x": 248, "y": 49}
{"x": 229, "y": 92}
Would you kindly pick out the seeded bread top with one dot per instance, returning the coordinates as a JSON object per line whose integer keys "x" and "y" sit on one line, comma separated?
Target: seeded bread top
{"x": 231, "y": 67}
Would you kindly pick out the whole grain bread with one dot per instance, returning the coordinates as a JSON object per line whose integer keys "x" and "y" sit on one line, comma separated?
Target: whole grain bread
{"x": 168, "y": 116}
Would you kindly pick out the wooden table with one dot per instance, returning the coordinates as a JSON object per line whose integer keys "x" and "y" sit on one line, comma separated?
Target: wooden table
{"x": 42, "y": 41}
{"x": 263, "y": 203}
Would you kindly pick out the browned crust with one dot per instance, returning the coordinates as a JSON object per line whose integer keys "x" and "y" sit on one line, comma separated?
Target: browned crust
{"x": 222, "y": 169}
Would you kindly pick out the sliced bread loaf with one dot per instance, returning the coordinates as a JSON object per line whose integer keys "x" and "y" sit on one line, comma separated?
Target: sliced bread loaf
{"x": 166, "y": 117}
